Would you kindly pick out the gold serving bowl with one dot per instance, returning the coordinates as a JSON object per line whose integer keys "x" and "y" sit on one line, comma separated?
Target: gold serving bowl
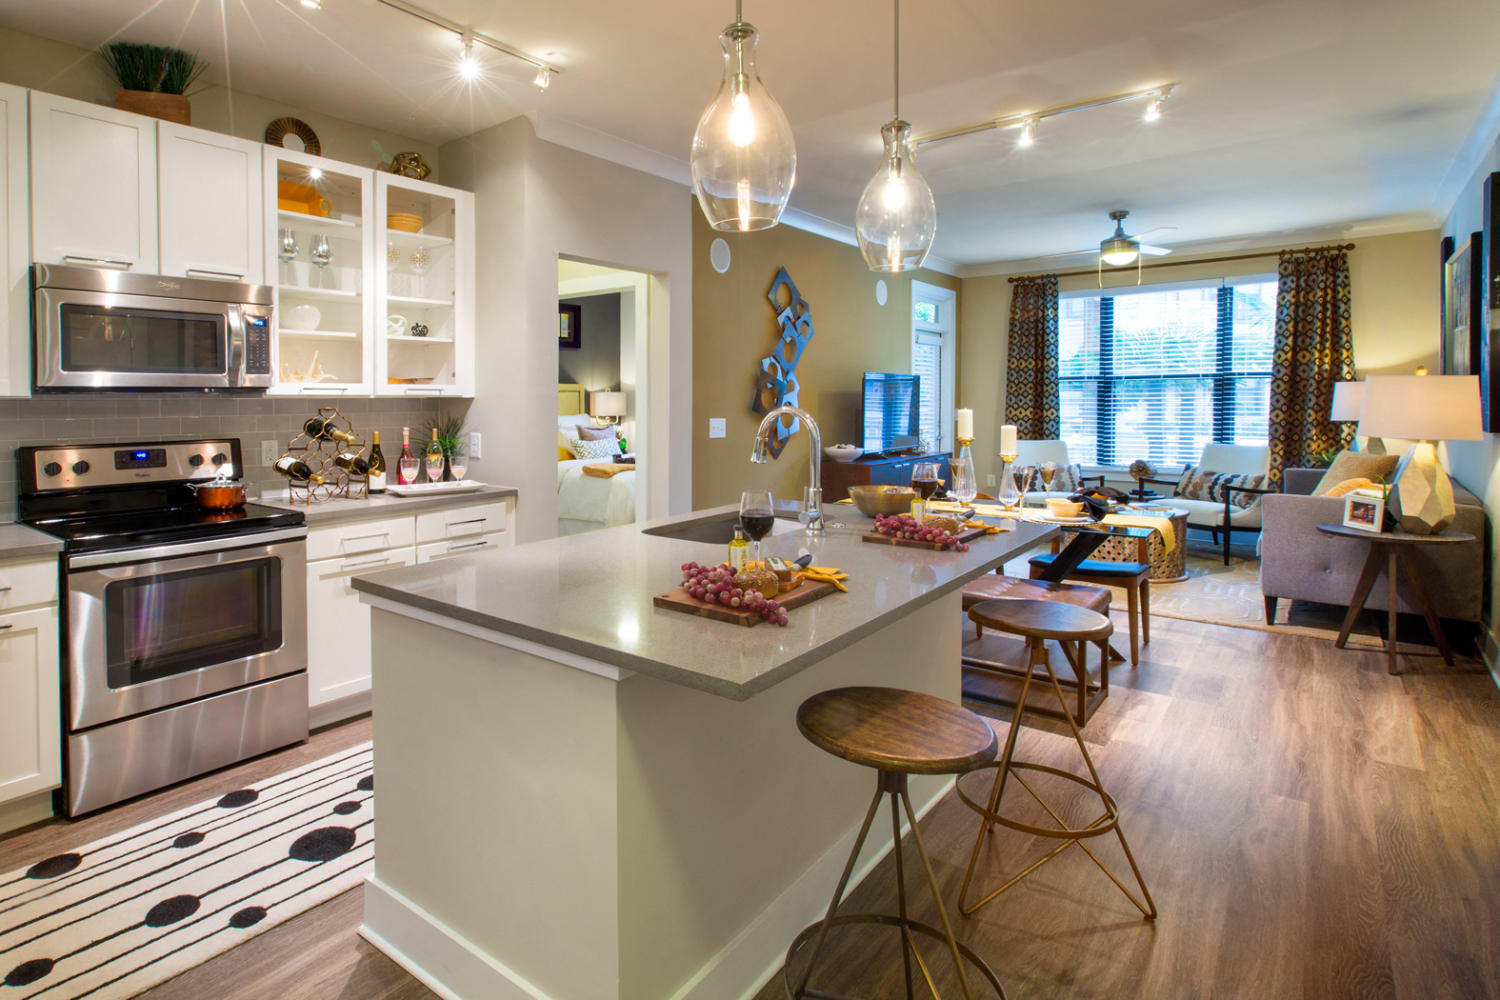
{"x": 876, "y": 500}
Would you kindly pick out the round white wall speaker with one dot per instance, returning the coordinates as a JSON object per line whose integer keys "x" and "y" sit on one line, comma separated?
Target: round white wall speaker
{"x": 881, "y": 292}
{"x": 718, "y": 255}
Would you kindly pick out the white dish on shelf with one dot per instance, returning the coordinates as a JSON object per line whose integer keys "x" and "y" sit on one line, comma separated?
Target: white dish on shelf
{"x": 843, "y": 452}
{"x": 302, "y": 317}
{"x": 436, "y": 489}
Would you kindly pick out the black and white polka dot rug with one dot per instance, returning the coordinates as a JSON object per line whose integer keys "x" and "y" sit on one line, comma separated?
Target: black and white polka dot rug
{"x": 118, "y": 916}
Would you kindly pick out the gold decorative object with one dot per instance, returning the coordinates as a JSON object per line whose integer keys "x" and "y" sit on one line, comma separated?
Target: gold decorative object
{"x": 319, "y": 454}
{"x": 411, "y": 165}
{"x": 305, "y": 138}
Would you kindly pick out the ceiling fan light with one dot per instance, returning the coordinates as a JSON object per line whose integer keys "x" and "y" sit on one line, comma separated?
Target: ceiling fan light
{"x": 1118, "y": 251}
{"x": 744, "y": 160}
{"x": 897, "y": 216}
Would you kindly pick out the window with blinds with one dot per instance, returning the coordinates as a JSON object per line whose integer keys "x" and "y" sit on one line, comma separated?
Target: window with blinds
{"x": 927, "y": 365}
{"x": 1157, "y": 373}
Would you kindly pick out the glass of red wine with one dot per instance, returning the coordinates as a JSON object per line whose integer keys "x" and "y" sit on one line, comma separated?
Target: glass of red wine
{"x": 756, "y": 517}
{"x": 924, "y": 479}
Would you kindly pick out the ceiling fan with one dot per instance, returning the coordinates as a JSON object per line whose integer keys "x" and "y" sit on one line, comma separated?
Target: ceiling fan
{"x": 1121, "y": 249}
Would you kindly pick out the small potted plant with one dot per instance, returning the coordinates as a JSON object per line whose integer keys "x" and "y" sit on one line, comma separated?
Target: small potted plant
{"x": 153, "y": 79}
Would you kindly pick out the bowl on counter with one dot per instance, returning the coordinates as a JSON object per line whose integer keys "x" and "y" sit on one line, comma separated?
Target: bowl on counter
{"x": 1058, "y": 507}
{"x": 843, "y": 452}
{"x": 876, "y": 500}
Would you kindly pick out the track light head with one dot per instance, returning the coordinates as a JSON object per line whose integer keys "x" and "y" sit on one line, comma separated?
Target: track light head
{"x": 313, "y": 4}
{"x": 469, "y": 67}
{"x": 543, "y": 78}
{"x": 1028, "y": 133}
{"x": 1154, "y": 104}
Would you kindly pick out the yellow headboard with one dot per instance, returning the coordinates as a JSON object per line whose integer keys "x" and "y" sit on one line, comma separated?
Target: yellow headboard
{"x": 570, "y": 399}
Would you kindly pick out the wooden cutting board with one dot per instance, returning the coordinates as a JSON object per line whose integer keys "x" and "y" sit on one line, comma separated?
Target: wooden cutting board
{"x": 805, "y": 593}
{"x": 967, "y": 535}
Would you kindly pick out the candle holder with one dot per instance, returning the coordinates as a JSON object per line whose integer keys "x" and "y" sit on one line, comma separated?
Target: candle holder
{"x": 965, "y": 482}
{"x": 1009, "y": 496}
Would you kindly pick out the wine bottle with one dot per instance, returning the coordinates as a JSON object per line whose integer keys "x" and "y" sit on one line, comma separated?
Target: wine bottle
{"x": 351, "y": 462}
{"x": 434, "y": 459}
{"x": 406, "y": 462}
{"x": 296, "y": 470}
{"x": 321, "y": 428}
{"x": 377, "y": 465}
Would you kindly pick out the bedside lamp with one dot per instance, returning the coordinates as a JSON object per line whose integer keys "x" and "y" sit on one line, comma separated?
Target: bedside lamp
{"x": 1426, "y": 408}
{"x": 1348, "y": 400}
{"x": 606, "y": 407}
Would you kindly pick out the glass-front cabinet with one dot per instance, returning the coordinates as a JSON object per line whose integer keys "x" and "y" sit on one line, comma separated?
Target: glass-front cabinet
{"x": 319, "y": 257}
{"x": 424, "y": 289}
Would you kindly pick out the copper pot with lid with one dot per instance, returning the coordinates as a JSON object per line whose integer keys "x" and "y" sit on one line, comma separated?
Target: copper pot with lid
{"x": 219, "y": 493}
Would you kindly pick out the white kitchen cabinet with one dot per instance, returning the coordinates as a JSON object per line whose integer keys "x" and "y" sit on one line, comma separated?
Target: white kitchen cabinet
{"x": 433, "y": 551}
{"x": 456, "y": 523}
{"x": 15, "y": 232}
{"x": 338, "y": 627}
{"x": 30, "y": 709}
{"x": 210, "y": 193}
{"x": 93, "y": 185}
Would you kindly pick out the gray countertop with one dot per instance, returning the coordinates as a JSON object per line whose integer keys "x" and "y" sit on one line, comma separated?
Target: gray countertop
{"x": 334, "y": 511}
{"x": 17, "y": 541}
{"x": 591, "y": 595}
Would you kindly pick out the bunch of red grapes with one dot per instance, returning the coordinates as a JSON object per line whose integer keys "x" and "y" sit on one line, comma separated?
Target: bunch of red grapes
{"x": 906, "y": 526}
{"x": 716, "y": 584}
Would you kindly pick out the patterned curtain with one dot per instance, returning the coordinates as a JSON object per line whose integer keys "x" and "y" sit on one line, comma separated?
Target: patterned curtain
{"x": 1031, "y": 400}
{"x": 1314, "y": 349}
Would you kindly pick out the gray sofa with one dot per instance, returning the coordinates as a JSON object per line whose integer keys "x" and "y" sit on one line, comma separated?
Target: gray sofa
{"x": 1299, "y": 562}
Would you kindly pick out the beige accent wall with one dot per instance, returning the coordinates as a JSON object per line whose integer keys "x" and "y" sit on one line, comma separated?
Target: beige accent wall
{"x": 734, "y": 326}
{"x": 42, "y": 64}
{"x": 1394, "y": 302}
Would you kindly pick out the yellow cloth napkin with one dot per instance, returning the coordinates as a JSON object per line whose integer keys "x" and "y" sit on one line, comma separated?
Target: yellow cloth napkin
{"x": 845, "y": 500}
{"x": 1160, "y": 524}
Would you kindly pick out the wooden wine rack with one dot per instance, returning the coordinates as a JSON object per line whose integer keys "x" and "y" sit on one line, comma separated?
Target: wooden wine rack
{"x": 319, "y": 455}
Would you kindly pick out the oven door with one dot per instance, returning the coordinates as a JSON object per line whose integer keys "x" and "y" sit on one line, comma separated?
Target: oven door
{"x": 149, "y": 628}
{"x": 108, "y": 340}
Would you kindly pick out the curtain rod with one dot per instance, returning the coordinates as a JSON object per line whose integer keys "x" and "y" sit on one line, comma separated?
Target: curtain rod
{"x": 1182, "y": 263}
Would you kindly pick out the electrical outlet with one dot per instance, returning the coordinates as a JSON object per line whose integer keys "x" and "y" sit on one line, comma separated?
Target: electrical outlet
{"x": 989, "y": 479}
{"x": 269, "y": 453}
{"x": 715, "y": 427}
{"x": 474, "y": 445}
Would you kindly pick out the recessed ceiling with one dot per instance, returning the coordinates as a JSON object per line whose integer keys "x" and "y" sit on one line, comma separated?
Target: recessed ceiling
{"x": 1287, "y": 115}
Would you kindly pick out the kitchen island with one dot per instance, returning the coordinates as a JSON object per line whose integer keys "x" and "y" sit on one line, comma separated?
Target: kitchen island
{"x": 584, "y": 796}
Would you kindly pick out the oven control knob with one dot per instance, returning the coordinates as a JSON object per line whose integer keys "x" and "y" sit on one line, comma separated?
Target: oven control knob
{"x": 80, "y": 467}
{"x": 220, "y": 458}
{"x": 195, "y": 460}
{"x": 52, "y": 469}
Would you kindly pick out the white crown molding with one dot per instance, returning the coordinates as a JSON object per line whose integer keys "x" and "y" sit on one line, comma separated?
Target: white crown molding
{"x": 1476, "y": 146}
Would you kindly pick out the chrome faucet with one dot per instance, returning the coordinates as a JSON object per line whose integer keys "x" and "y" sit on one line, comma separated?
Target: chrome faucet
{"x": 812, "y": 497}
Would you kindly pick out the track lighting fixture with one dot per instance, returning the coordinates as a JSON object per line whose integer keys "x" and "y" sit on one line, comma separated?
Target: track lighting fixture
{"x": 1153, "y": 105}
{"x": 313, "y": 4}
{"x": 469, "y": 67}
{"x": 543, "y": 79}
{"x": 1028, "y": 133}
{"x": 1028, "y": 122}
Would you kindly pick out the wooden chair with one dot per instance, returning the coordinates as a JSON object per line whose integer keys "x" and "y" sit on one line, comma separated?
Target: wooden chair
{"x": 1133, "y": 576}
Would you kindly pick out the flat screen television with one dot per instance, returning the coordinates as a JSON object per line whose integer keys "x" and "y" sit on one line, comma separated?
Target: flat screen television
{"x": 891, "y": 411}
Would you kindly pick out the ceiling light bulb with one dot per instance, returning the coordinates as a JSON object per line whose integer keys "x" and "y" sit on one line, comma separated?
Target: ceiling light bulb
{"x": 1028, "y": 133}
{"x": 468, "y": 66}
{"x": 744, "y": 160}
{"x": 1153, "y": 109}
{"x": 543, "y": 79}
{"x": 313, "y": 4}
{"x": 314, "y": 173}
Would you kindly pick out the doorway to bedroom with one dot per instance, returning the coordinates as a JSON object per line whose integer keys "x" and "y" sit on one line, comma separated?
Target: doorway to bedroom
{"x": 603, "y": 316}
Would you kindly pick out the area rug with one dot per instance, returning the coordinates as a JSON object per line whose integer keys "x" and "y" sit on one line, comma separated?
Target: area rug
{"x": 113, "y": 918}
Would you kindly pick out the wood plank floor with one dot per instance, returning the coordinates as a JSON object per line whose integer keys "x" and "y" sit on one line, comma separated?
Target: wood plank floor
{"x": 1309, "y": 826}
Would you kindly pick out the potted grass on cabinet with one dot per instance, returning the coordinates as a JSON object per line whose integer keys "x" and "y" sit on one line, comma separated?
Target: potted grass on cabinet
{"x": 319, "y": 222}
{"x": 424, "y": 288}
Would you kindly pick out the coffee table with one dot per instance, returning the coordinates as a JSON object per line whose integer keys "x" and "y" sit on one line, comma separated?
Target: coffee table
{"x": 1145, "y": 546}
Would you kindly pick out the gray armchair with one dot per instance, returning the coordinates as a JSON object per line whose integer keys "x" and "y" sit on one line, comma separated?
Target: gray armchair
{"x": 1299, "y": 562}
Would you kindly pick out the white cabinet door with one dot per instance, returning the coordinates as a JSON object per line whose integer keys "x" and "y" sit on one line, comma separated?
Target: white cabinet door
{"x": 15, "y": 292}
{"x": 30, "y": 712}
{"x": 338, "y": 626}
{"x": 93, "y": 185}
{"x": 209, "y": 188}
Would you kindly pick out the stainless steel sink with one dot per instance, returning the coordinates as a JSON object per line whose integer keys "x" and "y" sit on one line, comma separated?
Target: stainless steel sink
{"x": 717, "y": 530}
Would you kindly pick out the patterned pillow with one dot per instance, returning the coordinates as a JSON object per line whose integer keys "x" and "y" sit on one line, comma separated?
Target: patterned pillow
{"x": 1067, "y": 479}
{"x": 587, "y": 433}
{"x": 1208, "y": 485}
{"x": 594, "y": 449}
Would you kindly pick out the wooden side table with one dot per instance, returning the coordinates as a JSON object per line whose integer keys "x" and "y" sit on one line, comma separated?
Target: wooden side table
{"x": 1392, "y": 551}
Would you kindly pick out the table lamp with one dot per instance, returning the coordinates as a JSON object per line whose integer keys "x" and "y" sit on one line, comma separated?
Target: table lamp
{"x": 1348, "y": 399}
{"x": 1424, "y": 408}
{"x": 606, "y": 407}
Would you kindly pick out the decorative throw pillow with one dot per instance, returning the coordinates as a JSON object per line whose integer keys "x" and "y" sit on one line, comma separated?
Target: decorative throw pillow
{"x": 594, "y": 449}
{"x": 1356, "y": 465}
{"x": 564, "y": 455}
{"x": 597, "y": 433}
{"x": 1205, "y": 484}
{"x": 1185, "y": 480}
{"x": 1349, "y": 486}
{"x": 1067, "y": 479}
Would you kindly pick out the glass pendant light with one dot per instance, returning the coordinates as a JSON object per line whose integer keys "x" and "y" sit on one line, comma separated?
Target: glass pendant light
{"x": 744, "y": 161}
{"x": 896, "y": 218}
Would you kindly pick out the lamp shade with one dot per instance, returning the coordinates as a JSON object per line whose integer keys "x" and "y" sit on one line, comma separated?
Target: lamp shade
{"x": 1348, "y": 397}
{"x": 608, "y": 404}
{"x": 1421, "y": 407}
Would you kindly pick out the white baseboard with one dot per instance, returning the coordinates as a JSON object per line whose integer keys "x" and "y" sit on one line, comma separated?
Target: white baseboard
{"x": 34, "y": 808}
{"x": 435, "y": 954}
{"x": 337, "y": 711}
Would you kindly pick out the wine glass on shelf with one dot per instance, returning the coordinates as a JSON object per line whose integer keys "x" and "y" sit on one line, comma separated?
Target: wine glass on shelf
{"x": 322, "y": 255}
{"x": 965, "y": 487}
{"x": 924, "y": 479}
{"x": 407, "y": 464}
{"x": 458, "y": 465}
{"x": 756, "y": 517}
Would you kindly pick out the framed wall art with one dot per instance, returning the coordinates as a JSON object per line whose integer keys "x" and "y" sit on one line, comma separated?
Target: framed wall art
{"x": 1487, "y": 290}
{"x": 1463, "y": 283}
{"x": 569, "y": 326}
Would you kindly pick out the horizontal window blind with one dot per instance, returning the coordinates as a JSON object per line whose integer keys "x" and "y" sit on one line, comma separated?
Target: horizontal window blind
{"x": 927, "y": 365}
{"x": 1156, "y": 374}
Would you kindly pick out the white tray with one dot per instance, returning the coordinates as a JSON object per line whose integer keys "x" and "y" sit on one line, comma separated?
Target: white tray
{"x": 436, "y": 489}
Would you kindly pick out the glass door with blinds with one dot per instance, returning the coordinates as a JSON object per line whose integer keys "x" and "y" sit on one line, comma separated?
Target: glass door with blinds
{"x": 933, "y": 356}
{"x": 1156, "y": 373}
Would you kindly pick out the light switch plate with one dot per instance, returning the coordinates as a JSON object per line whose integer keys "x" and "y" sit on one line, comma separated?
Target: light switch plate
{"x": 989, "y": 479}
{"x": 269, "y": 453}
{"x": 715, "y": 427}
{"x": 474, "y": 445}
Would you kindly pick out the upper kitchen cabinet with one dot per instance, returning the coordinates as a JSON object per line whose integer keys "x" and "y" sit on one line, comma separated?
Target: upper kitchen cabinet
{"x": 93, "y": 185}
{"x": 210, "y": 192}
{"x": 15, "y": 293}
{"x": 319, "y": 251}
{"x": 424, "y": 288}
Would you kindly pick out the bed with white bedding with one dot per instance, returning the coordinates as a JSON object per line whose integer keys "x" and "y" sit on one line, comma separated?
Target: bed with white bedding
{"x": 585, "y": 502}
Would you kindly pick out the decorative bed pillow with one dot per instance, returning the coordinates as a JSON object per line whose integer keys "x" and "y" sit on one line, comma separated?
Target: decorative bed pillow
{"x": 1356, "y": 465}
{"x": 1205, "y": 484}
{"x": 564, "y": 455}
{"x": 594, "y": 449}
{"x": 588, "y": 433}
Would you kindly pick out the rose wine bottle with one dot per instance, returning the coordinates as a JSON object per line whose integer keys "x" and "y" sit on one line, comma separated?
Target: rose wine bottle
{"x": 406, "y": 463}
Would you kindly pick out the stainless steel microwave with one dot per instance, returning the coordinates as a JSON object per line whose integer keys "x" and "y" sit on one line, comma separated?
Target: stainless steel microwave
{"x": 99, "y": 328}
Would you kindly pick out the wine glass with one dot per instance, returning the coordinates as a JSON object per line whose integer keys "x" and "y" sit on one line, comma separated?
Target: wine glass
{"x": 322, "y": 255}
{"x": 1025, "y": 479}
{"x": 435, "y": 467}
{"x": 965, "y": 487}
{"x": 407, "y": 464}
{"x": 458, "y": 465}
{"x": 1049, "y": 470}
{"x": 924, "y": 479}
{"x": 756, "y": 517}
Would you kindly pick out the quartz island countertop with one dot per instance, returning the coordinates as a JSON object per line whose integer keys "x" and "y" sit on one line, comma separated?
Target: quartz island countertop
{"x": 590, "y": 595}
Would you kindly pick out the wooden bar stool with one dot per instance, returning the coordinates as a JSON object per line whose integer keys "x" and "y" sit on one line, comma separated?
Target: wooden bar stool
{"x": 898, "y": 733}
{"x": 1037, "y": 622}
{"x": 1133, "y": 576}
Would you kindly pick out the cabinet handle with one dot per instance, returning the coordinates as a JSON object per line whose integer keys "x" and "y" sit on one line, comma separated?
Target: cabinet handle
{"x": 123, "y": 265}
{"x": 216, "y": 274}
{"x": 6, "y": 626}
{"x": 4, "y": 590}
{"x": 313, "y": 390}
{"x": 424, "y": 392}
{"x": 472, "y": 520}
{"x": 360, "y": 538}
{"x": 467, "y": 545}
{"x": 367, "y": 563}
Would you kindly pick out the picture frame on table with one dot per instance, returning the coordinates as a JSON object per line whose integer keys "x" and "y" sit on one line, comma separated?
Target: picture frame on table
{"x": 569, "y": 326}
{"x": 1365, "y": 511}
{"x": 1462, "y": 294}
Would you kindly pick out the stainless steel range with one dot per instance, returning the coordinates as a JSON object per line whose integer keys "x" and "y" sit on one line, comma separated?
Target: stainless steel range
{"x": 184, "y": 631}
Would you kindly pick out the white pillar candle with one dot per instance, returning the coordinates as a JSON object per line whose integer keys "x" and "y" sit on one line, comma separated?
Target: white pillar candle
{"x": 965, "y": 420}
{"x": 1008, "y": 439}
